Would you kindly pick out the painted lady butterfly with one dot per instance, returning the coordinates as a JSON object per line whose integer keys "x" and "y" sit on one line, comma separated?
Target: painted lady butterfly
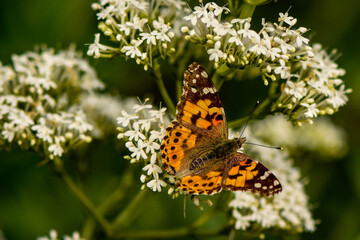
{"x": 196, "y": 148}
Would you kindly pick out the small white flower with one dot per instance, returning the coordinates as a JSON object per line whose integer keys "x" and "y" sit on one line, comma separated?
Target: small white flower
{"x": 150, "y": 38}
{"x": 137, "y": 152}
{"x": 124, "y": 28}
{"x": 338, "y": 97}
{"x": 94, "y": 48}
{"x": 215, "y": 53}
{"x": 156, "y": 184}
{"x": 274, "y": 53}
{"x": 312, "y": 111}
{"x": 209, "y": 20}
{"x": 259, "y": 48}
{"x": 145, "y": 124}
{"x": 217, "y": 9}
{"x": 283, "y": 45}
{"x": 282, "y": 70}
{"x": 141, "y": 5}
{"x": 56, "y": 148}
{"x": 300, "y": 40}
{"x": 105, "y": 12}
{"x": 298, "y": 90}
{"x": 162, "y": 36}
{"x": 192, "y": 18}
{"x": 287, "y": 19}
{"x": 137, "y": 23}
{"x": 235, "y": 38}
{"x": 152, "y": 168}
{"x": 151, "y": 145}
{"x": 160, "y": 25}
{"x": 135, "y": 134}
{"x": 156, "y": 135}
{"x": 132, "y": 50}
{"x": 248, "y": 33}
{"x": 126, "y": 118}
{"x": 222, "y": 29}
{"x": 9, "y": 131}
{"x": 43, "y": 132}
{"x": 141, "y": 107}
{"x": 158, "y": 114}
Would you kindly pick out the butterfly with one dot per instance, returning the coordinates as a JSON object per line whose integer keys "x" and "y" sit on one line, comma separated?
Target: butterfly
{"x": 196, "y": 148}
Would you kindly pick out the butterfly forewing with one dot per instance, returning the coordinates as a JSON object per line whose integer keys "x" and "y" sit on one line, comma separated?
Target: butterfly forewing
{"x": 200, "y": 108}
{"x": 178, "y": 145}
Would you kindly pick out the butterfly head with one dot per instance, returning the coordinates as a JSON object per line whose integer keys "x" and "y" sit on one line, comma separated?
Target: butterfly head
{"x": 240, "y": 141}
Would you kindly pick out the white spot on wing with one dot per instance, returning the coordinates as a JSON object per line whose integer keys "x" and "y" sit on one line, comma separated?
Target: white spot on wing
{"x": 193, "y": 90}
{"x": 257, "y": 185}
{"x": 276, "y": 182}
{"x": 194, "y": 80}
{"x": 206, "y": 90}
{"x": 204, "y": 74}
{"x": 266, "y": 174}
{"x": 197, "y": 75}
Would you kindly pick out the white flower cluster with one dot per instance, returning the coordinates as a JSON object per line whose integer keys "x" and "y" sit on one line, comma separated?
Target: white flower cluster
{"x": 315, "y": 89}
{"x": 234, "y": 42}
{"x": 288, "y": 210}
{"x": 141, "y": 29}
{"x": 39, "y": 97}
{"x": 323, "y": 138}
{"x": 144, "y": 133}
{"x": 53, "y": 235}
{"x": 307, "y": 77}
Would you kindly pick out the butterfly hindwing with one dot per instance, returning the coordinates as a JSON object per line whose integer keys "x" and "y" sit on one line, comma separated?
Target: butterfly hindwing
{"x": 246, "y": 174}
{"x": 195, "y": 184}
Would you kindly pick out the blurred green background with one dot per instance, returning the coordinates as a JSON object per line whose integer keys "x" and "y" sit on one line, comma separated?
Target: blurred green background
{"x": 33, "y": 200}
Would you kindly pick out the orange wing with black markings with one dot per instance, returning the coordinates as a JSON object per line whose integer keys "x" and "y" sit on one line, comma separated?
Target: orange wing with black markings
{"x": 208, "y": 183}
{"x": 177, "y": 143}
{"x": 246, "y": 174}
{"x": 200, "y": 117}
{"x": 200, "y": 107}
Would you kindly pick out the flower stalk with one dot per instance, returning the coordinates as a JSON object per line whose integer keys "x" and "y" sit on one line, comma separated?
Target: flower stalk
{"x": 156, "y": 70}
{"x": 76, "y": 190}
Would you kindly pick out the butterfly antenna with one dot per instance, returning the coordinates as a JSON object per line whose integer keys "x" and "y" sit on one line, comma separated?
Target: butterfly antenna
{"x": 260, "y": 145}
{"x": 250, "y": 115}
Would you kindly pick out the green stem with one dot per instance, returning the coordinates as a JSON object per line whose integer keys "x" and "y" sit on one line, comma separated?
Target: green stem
{"x": 59, "y": 167}
{"x": 112, "y": 203}
{"x": 191, "y": 230}
{"x": 247, "y": 10}
{"x": 159, "y": 81}
{"x": 126, "y": 217}
{"x": 168, "y": 234}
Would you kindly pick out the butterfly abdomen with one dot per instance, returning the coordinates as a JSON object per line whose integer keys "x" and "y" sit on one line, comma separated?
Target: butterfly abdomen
{"x": 202, "y": 160}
